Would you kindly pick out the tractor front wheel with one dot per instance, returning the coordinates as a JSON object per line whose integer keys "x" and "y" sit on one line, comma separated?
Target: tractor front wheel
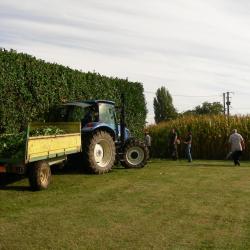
{"x": 135, "y": 154}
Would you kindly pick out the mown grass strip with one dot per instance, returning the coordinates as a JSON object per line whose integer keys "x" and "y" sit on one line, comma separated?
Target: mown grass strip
{"x": 166, "y": 205}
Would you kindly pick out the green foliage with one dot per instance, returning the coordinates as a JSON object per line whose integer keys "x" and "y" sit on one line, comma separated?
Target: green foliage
{"x": 210, "y": 135}
{"x": 30, "y": 87}
{"x": 13, "y": 146}
{"x": 51, "y": 130}
{"x": 214, "y": 108}
{"x": 163, "y": 106}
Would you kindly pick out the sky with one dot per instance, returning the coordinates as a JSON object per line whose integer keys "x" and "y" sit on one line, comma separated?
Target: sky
{"x": 196, "y": 49}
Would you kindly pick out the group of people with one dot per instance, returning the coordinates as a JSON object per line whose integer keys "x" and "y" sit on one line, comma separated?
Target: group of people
{"x": 236, "y": 142}
{"x": 174, "y": 141}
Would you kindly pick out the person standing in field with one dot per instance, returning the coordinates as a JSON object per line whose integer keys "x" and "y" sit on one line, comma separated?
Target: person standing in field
{"x": 148, "y": 142}
{"x": 188, "y": 142}
{"x": 237, "y": 144}
{"x": 173, "y": 144}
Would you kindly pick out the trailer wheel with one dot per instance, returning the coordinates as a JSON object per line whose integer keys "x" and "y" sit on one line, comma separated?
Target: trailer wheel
{"x": 135, "y": 154}
{"x": 39, "y": 175}
{"x": 101, "y": 152}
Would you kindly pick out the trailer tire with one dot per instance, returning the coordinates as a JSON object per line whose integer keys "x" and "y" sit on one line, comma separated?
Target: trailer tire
{"x": 135, "y": 154}
{"x": 100, "y": 152}
{"x": 39, "y": 175}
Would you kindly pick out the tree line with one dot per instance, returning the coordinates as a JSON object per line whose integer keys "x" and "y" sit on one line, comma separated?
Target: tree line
{"x": 30, "y": 88}
{"x": 164, "y": 109}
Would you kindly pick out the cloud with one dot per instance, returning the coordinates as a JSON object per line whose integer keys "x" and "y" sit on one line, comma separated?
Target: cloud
{"x": 198, "y": 47}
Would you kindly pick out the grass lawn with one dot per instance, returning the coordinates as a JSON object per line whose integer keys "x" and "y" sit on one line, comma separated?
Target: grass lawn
{"x": 166, "y": 205}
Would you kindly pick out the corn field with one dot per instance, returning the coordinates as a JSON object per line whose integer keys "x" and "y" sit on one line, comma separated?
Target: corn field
{"x": 210, "y": 135}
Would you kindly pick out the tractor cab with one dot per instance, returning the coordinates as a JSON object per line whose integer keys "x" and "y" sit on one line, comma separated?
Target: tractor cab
{"x": 93, "y": 114}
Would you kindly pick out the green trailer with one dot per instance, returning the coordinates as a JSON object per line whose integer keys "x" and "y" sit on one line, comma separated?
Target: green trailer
{"x": 42, "y": 151}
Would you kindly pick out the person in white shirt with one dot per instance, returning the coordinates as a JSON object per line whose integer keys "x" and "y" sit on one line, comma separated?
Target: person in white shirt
{"x": 237, "y": 144}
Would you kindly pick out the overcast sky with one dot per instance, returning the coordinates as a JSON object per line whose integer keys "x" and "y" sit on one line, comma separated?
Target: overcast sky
{"x": 197, "y": 49}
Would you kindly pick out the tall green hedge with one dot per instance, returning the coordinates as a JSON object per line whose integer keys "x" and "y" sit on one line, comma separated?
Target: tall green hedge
{"x": 29, "y": 87}
{"x": 210, "y": 135}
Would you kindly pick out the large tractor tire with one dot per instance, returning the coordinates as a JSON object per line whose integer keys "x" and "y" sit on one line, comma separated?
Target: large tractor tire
{"x": 39, "y": 175}
{"x": 100, "y": 152}
{"x": 135, "y": 154}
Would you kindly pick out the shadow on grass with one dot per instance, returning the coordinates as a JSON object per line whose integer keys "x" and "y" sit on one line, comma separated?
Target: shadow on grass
{"x": 118, "y": 167}
{"x": 206, "y": 165}
{"x": 200, "y": 163}
{"x": 74, "y": 169}
{"x": 216, "y": 164}
{"x": 78, "y": 169}
{"x": 16, "y": 188}
{"x": 8, "y": 179}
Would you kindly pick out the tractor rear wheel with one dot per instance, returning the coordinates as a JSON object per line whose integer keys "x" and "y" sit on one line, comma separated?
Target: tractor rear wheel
{"x": 135, "y": 154}
{"x": 39, "y": 175}
{"x": 101, "y": 152}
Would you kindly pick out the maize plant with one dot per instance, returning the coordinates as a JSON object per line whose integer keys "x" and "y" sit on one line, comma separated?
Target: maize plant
{"x": 210, "y": 135}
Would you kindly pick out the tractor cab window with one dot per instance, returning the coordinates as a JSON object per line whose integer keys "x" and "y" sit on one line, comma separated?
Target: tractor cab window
{"x": 58, "y": 114}
{"x": 68, "y": 113}
{"x": 91, "y": 115}
{"x": 76, "y": 114}
{"x": 107, "y": 113}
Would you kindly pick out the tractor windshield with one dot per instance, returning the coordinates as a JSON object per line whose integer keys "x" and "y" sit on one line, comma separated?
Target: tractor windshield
{"x": 107, "y": 114}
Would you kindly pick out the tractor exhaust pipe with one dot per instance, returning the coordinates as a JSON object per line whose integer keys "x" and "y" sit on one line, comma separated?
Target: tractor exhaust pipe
{"x": 122, "y": 119}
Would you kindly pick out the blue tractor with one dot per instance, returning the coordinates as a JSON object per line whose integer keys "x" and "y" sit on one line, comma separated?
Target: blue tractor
{"x": 105, "y": 140}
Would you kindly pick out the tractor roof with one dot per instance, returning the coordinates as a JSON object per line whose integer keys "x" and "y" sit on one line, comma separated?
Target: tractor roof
{"x": 99, "y": 101}
{"x": 89, "y": 103}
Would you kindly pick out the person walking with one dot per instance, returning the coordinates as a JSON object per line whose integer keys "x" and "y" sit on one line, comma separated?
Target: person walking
{"x": 148, "y": 142}
{"x": 188, "y": 142}
{"x": 173, "y": 144}
{"x": 237, "y": 144}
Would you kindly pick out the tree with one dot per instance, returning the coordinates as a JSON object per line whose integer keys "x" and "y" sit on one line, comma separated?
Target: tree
{"x": 214, "y": 108}
{"x": 188, "y": 112}
{"x": 163, "y": 106}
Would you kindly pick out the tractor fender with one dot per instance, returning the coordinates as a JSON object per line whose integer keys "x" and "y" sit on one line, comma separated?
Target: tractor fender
{"x": 95, "y": 126}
